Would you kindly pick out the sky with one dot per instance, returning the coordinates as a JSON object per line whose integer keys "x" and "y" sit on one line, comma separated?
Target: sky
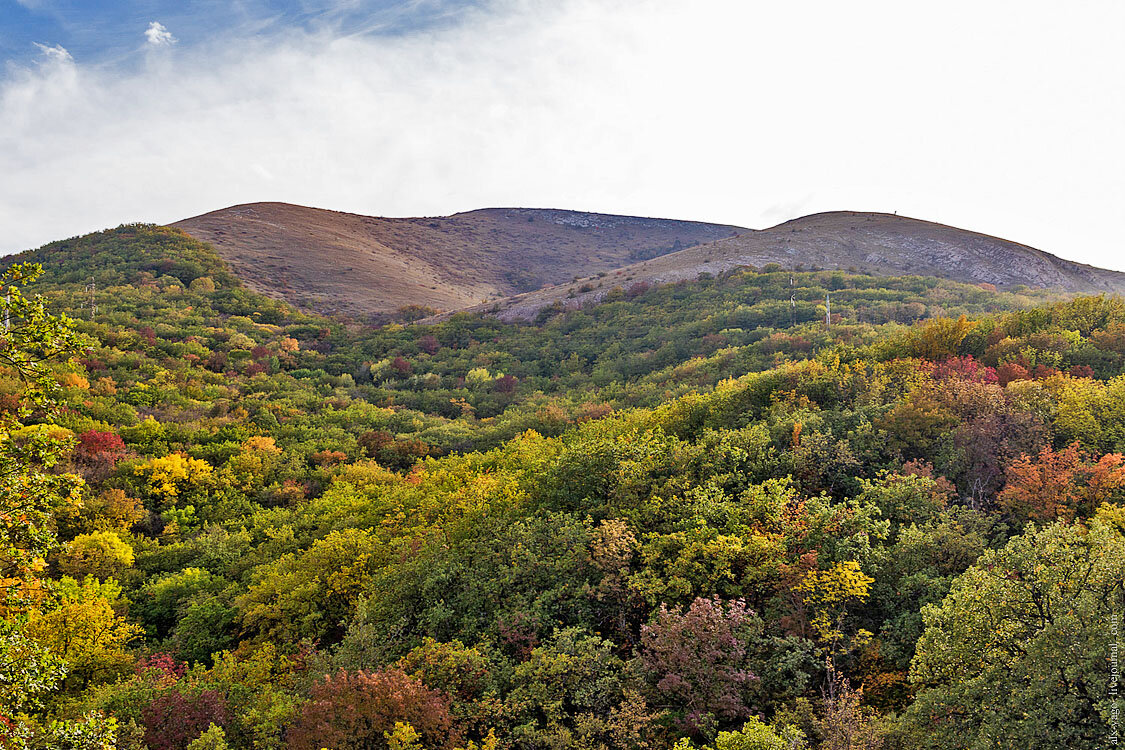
{"x": 1001, "y": 116}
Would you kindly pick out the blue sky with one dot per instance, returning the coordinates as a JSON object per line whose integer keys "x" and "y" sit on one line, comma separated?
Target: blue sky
{"x": 97, "y": 31}
{"x": 1003, "y": 117}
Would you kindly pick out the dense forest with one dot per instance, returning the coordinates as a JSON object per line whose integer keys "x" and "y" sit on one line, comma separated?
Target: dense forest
{"x": 716, "y": 515}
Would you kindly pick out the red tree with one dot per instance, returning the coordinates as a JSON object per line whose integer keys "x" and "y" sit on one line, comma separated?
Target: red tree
{"x": 375, "y": 442}
{"x": 351, "y": 711}
{"x": 505, "y": 384}
{"x": 97, "y": 444}
{"x": 163, "y": 667}
{"x": 697, "y": 660}
{"x": 98, "y": 452}
{"x": 965, "y": 368}
{"x": 173, "y": 720}
{"x": 1061, "y": 484}
{"x": 1010, "y": 371}
{"x": 429, "y": 344}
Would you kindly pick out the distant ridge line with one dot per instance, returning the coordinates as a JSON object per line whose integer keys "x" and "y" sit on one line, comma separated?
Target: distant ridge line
{"x": 516, "y": 260}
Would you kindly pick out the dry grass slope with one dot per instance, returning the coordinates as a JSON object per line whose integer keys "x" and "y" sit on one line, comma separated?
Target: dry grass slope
{"x": 881, "y": 244}
{"x": 359, "y": 265}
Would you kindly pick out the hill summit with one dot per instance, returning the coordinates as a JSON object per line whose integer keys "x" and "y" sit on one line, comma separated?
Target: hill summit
{"x": 337, "y": 262}
{"x": 515, "y": 261}
{"x": 872, "y": 243}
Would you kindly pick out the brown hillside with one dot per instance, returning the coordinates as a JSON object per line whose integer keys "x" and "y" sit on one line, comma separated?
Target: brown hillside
{"x": 876, "y": 243}
{"x": 338, "y": 262}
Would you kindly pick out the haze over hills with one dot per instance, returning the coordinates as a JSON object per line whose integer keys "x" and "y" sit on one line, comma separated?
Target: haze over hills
{"x": 875, "y": 243}
{"x": 338, "y": 262}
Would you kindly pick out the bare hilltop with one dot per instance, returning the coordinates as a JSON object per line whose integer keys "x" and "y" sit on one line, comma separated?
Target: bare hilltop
{"x": 512, "y": 262}
{"x": 346, "y": 263}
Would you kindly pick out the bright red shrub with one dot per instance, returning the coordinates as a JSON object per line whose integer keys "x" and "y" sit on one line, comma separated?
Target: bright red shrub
{"x": 162, "y": 665}
{"x": 96, "y": 443}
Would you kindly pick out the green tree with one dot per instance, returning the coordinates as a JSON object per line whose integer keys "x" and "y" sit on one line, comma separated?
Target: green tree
{"x": 756, "y": 735}
{"x": 29, "y": 489}
{"x": 213, "y": 738}
{"x": 1015, "y": 657}
{"x": 571, "y": 692}
{"x": 313, "y": 594}
{"x": 79, "y": 625}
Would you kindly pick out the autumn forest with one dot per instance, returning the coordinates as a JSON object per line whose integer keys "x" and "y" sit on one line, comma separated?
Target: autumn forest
{"x": 707, "y": 515}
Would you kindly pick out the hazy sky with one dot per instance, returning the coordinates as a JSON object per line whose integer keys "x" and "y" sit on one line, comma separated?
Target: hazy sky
{"x": 1003, "y": 117}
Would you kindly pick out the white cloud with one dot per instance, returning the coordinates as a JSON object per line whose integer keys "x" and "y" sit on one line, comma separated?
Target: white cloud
{"x": 717, "y": 110}
{"x": 54, "y": 53}
{"x": 158, "y": 36}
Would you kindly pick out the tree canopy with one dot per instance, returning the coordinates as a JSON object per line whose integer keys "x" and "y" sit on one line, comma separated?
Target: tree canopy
{"x": 691, "y": 516}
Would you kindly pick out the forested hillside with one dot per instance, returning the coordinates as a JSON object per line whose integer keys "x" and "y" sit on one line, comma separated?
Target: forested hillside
{"x": 710, "y": 514}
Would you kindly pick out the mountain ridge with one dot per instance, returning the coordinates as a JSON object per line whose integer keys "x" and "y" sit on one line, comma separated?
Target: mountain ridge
{"x": 867, "y": 242}
{"x": 513, "y": 262}
{"x": 337, "y": 262}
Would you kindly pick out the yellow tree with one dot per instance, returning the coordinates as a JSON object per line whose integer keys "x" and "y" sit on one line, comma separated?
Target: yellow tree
{"x": 79, "y": 626}
{"x": 172, "y": 475}
{"x": 827, "y": 595}
{"x": 102, "y": 554}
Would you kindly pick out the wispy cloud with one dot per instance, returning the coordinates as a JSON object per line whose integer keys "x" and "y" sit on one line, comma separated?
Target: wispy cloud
{"x": 158, "y": 36}
{"x": 718, "y": 110}
{"x": 54, "y": 53}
